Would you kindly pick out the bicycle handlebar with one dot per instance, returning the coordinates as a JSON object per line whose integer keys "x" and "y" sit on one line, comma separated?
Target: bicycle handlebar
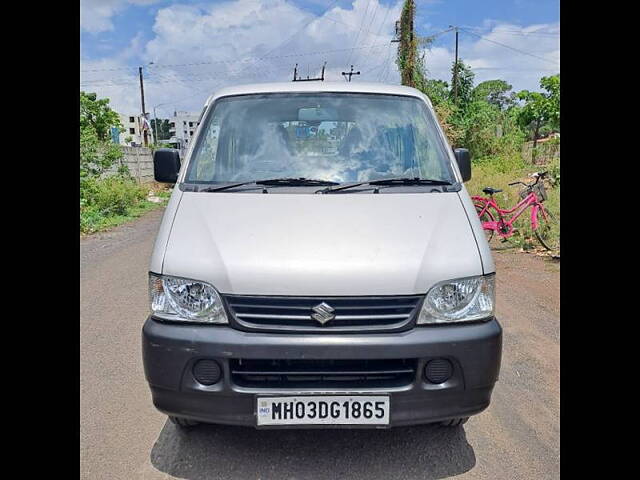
{"x": 536, "y": 175}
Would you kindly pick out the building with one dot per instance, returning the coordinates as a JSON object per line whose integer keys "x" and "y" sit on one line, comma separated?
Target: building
{"x": 131, "y": 133}
{"x": 182, "y": 127}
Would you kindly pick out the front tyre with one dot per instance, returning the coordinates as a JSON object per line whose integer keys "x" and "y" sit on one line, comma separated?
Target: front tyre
{"x": 548, "y": 231}
{"x": 454, "y": 422}
{"x": 183, "y": 423}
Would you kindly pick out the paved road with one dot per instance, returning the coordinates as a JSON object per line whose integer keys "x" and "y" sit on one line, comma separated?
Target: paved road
{"x": 123, "y": 437}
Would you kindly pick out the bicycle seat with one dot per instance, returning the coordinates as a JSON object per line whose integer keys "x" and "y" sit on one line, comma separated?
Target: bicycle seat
{"x": 491, "y": 191}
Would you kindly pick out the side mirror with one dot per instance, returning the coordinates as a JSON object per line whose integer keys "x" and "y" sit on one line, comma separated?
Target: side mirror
{"x": 464, "y": 163}
{"x": 166, "y": 165}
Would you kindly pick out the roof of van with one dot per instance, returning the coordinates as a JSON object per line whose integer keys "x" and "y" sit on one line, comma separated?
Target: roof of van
{"x": 316, "y": 86}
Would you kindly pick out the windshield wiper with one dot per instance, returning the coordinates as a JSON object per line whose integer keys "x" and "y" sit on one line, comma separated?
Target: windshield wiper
{"x": 337, "y": 189}
{"x": 226, "y": 187}
{"x": 273, "y": 181}
{"x": 302, "y": 181}
{"x": 408, "y": 181}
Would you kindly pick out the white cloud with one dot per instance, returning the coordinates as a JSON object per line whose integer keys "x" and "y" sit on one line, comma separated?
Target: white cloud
{"x": 198, "y": 49}
{"x": 95, "y": 15}
{"x": 520, "y": 55}
{"x": 229, "y": 40}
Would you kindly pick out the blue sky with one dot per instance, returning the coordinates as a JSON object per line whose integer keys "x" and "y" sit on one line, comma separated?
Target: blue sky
{"x": 198, "y": 46}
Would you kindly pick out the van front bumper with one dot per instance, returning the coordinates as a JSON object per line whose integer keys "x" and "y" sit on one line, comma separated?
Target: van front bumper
{"x": 170, "y": 351}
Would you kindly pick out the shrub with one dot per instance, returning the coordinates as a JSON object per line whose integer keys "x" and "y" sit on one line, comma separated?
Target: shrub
{"x": 96, "y": 156}
{"x": 104, "y": 199}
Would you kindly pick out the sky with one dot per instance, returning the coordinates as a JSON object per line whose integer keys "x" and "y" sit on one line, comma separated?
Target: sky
{"x": 189, "y": 49}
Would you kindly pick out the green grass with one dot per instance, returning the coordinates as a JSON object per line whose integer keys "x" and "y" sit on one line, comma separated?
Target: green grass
{"x": 93, "y": 223}
{"x": 498, "y": 175}
{"x": 107, "y": 203}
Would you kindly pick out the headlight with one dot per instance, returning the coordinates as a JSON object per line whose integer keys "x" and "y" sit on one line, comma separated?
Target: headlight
{"x": 184, "y": 300}
{"x": 460, "y": 300}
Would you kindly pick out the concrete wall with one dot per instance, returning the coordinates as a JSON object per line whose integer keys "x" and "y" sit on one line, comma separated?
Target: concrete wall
{"x": 140, "y": 163}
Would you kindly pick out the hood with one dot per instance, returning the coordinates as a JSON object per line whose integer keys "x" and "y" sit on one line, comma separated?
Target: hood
{"x": 321, "y": 245}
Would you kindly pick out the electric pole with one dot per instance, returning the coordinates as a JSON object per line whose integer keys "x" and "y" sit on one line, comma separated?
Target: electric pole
{"x": 144, "y": 113}
{"x": 351, "y": 73}
{"x": 407, "y": 51}
{"x": 455, "y": 71}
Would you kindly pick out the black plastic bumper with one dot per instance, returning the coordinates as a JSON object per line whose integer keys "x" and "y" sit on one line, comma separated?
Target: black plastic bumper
{"x": 169, "y": 352}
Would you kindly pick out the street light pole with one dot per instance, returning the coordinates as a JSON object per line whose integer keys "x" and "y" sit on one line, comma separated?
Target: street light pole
{"x": 155, "y": 118}
{"x": 155, "y": 124}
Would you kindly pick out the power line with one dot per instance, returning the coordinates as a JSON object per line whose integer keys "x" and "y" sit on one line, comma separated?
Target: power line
{"x": 324, "y": 52}
{"x": 108, "y": 69}
{"x": 522, "y": 32}
{"x": 507, "y": 46}
{"x": 305, "y": 25}
{"x": 387, "y": 69}
{"x": 358, "y": 34}
{"x": 155, "y": 77}
{"x": 507, "y": 69}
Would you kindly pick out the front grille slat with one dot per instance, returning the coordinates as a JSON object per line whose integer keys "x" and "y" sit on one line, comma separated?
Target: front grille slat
{"x": 306, "y": 317}
{"x": 322, "y": 374}
{"x": 262, "y": 313}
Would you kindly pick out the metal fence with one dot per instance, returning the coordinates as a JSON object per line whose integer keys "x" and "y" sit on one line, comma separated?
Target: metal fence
{"x": 545, "y": 152}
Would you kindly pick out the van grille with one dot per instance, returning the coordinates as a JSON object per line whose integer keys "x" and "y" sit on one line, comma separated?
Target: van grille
{"x": 279, "y": 314}
{"x": 322, "y": 374}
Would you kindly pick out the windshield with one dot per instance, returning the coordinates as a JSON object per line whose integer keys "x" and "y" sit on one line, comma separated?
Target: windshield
{"x": 340, "y": 137}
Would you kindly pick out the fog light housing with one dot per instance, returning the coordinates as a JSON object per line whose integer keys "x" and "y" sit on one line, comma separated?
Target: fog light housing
{"x": 438, "y": 370}
{"x": 207, "y": 372}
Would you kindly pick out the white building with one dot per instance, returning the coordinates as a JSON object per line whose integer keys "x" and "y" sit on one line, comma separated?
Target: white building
{"x": 132, "y": 130}
{"x": 183, "y": 126}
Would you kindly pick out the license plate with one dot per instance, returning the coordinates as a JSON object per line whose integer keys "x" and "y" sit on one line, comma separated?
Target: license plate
{"x": 323, "y": 410}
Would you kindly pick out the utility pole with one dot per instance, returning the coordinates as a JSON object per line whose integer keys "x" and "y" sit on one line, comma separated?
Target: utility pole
{"x": 407, "y": 50}
{"x": 155, "y": 123}
{"x": 144, "y": 113}
{"x": 455, "y": 70}
{"x": 351, "y": 73}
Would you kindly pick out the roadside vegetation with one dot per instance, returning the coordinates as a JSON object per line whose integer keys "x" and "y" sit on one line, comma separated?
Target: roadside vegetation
{"x": 109, "y": 195}
{"x": 494, "y": 123}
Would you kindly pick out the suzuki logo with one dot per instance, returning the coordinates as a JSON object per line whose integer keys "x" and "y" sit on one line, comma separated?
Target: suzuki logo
{"x": 323, "y": 313}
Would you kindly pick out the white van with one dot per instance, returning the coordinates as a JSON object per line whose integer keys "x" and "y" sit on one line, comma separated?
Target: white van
{"x": 320, "y": 263}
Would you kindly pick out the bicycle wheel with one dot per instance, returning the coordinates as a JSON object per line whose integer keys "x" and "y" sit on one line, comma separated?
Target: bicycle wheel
{"x": 548, "y": 231}
{"x": 485, "y": 217}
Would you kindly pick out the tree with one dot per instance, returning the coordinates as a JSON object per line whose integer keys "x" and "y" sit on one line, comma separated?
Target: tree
{"x": 541, "y": 109}
{"x": 97, "y": 152}
{"x": 163, "y": 129}
{"x": 552, "y": 86}
{"x": 436, "y": 90}
{"x": 97, "y": 115}
{"x": 465, "y": 78}
{"x": 495, "y": 92}
{"x": 96, "y": 156}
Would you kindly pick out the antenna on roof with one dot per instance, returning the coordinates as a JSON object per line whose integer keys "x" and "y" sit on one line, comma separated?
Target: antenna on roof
{"x": 300, "y": 79}
{"x": 350, "y": 73}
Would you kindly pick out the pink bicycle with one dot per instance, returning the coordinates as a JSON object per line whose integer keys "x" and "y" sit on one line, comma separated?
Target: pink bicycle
{"x": 544, "y": 226}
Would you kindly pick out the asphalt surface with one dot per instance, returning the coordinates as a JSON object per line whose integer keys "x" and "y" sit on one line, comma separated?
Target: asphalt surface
{"x": 122, "y": 436}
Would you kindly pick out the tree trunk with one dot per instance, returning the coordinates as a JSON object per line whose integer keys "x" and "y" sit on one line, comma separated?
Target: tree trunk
{"x": 535, "y": 134}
